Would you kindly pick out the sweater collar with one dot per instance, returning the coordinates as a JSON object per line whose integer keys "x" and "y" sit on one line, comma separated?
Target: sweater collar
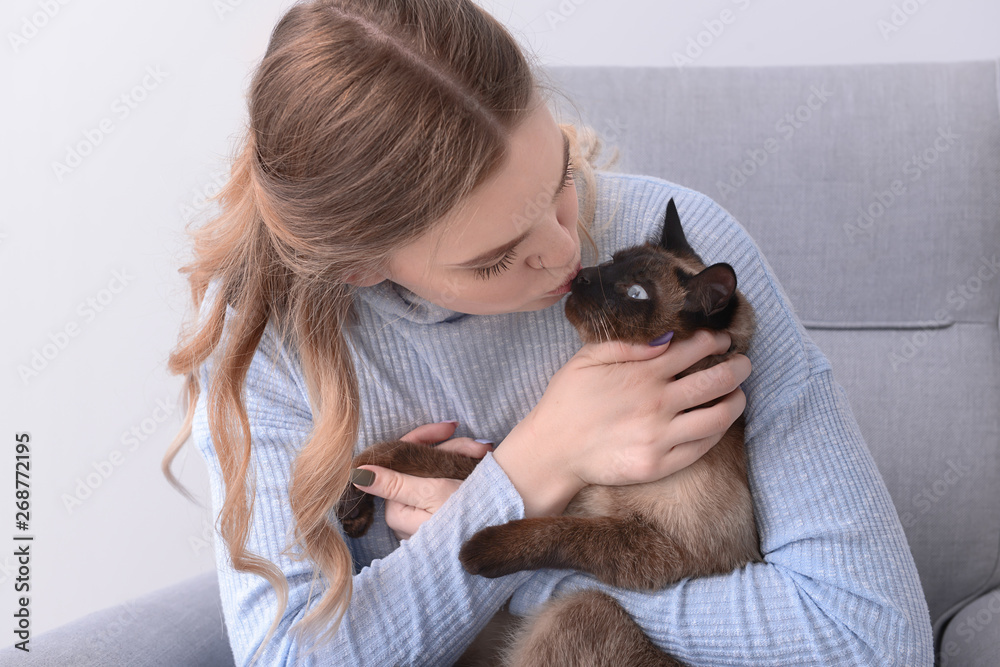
{"x": 397, "y": 301}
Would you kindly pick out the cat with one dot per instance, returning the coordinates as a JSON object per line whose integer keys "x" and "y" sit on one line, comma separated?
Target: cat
{"x": 697, "y": 522}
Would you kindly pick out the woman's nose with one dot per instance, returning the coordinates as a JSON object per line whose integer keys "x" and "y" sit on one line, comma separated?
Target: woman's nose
{"x": 556, "y": 252}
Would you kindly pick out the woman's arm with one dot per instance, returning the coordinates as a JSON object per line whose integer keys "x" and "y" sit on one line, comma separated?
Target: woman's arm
{"x": 839, "y": 585}
{"x": 416, "y": 606}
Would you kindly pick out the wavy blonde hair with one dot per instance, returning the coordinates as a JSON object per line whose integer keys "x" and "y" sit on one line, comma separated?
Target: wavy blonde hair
{"x": 368, "y": 121}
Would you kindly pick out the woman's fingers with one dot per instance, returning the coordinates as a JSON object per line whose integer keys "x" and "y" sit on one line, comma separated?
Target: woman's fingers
{"x": 409, "y": 500}
{"x": 685, "y": 353}
{"x": 701, "y": 428}
{"x": 392, "y": 485}
{"x": 427, "y": 493}
{"x": 404, "y": 520}
{"x": 710, "y": 383}
{"x": 467, "y": 447}
{"x": 428, "y": 434}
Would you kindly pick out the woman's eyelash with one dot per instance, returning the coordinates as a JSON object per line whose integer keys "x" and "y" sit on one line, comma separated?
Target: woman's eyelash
{"x": 568, "y": 178}
{"x": 501, "y": 266}
{"x": 497, "y": 268}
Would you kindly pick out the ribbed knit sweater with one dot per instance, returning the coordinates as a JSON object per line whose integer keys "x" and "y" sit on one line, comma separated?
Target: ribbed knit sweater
{"x": 839, "y": 585}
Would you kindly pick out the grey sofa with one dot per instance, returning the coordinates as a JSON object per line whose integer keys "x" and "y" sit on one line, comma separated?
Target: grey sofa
{"x": 873, "y": 193}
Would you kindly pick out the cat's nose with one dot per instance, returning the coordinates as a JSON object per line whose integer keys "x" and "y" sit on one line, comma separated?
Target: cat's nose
{"x": 586, "y": 283}
{"x": 585, "y": 277}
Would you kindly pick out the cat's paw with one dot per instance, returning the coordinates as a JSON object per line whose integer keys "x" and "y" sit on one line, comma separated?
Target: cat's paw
{"x": 487, "y": 554}
{"x": 356, "y": 511}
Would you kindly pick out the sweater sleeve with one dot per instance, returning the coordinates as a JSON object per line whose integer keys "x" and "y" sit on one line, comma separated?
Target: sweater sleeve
{"x": 416, "y": 606}
{"x": 839, "y": 585}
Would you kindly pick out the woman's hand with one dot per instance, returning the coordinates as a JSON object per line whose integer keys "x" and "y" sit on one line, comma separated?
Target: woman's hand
{"x": 410, "y": 500}
{"x": 614, "y": 414}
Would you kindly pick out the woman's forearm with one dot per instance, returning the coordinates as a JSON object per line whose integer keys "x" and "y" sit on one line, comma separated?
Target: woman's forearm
{"x": 839, "y": 585}
{"x": 545, "y": 490}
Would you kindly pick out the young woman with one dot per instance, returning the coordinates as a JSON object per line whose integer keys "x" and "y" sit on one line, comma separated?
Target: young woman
{"x": 392, "y": 251}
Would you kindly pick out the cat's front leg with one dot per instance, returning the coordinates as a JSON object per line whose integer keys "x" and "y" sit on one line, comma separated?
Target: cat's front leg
{"x": 356, "y": 509}
{"x": 627, "y": 552}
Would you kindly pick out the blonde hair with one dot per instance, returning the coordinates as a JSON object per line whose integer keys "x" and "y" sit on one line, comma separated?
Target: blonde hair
{"x": 368, "y": 121}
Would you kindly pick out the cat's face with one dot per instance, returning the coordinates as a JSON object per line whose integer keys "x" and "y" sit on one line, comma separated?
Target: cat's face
{"x": 650, "y": 289}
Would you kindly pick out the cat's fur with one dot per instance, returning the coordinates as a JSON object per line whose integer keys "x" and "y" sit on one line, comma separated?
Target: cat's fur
{"x": 697, "y": 522}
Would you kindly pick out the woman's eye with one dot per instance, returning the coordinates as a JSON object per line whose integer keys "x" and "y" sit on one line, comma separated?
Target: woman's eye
{"x": 497, "y": 268}
{"x": 567, "y": 180}
{"x": 502, "y": 265}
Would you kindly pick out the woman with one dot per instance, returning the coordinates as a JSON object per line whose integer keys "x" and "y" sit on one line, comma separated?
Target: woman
{"x": 392, "y": 243}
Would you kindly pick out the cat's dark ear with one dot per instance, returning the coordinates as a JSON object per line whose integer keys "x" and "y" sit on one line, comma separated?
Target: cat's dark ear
{"x": 672, "y": 237}
{"x": 710, "y": 291}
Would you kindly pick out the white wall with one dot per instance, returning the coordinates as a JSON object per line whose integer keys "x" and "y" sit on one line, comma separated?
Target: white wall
{"x": 753, "y": 32}
{"x": 152, "y": 93}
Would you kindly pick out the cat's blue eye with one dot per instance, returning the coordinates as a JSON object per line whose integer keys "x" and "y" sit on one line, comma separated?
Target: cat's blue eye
{"x": 636, "y": 292}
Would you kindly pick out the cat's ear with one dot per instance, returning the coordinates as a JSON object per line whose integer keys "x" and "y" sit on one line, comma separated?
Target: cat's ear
{"x": 710, "y": 291}
{"x": 672, "y": 237}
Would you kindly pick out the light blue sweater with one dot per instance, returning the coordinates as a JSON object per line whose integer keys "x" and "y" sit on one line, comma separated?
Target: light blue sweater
{"x": 839, "y": 585}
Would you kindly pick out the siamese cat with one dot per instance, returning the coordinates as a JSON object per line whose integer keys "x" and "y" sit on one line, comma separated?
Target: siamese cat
{"x": 697, "y": 522}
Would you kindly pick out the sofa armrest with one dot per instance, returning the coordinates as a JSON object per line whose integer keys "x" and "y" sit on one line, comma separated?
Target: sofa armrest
{"x": 972, "y": 637}
{"x": 178, "y": 625}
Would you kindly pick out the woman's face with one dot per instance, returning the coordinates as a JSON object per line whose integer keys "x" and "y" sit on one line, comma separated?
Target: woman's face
{"x": 517, "y": 202}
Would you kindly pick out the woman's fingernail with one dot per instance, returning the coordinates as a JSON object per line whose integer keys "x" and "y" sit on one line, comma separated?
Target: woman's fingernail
{"x": 362, "y": 477}
{"x": 451, "y": 421}
{"x": 485, "y": 442}
{"x": 662, "y": 340}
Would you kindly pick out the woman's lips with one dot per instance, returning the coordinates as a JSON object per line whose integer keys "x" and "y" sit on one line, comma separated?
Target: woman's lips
{"x": 565, "y": 286}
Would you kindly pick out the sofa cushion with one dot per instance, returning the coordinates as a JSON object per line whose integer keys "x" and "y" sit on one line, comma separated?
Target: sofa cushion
{"x": 181, "y": 624}
{"x": 972, "y": 638}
